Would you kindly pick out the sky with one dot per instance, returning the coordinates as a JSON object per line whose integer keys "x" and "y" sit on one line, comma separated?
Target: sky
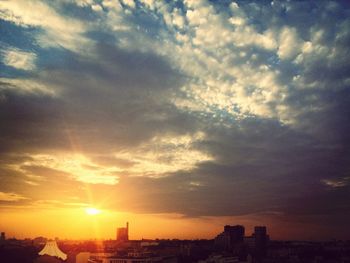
{"x": 177, "y": 116}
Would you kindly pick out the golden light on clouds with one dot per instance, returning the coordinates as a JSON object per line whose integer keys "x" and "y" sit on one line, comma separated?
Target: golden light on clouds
{"x": 78, "y": 166}
{"x": 165, "y": 154}
{"x": 160, "y": 155}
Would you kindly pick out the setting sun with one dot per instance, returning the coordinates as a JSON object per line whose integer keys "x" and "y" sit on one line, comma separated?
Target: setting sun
{"x": 92, "y": 211}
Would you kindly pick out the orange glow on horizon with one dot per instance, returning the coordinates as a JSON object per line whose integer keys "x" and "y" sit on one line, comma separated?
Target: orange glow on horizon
{"x": 76, "y": 223}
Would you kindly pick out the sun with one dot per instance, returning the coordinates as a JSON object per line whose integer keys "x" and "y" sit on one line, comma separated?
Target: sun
{"x": 92, "y": 211}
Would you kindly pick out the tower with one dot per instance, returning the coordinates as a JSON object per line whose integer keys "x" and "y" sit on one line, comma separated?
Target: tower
{"x": 123, "y": 233}
{"x": 127, "y": 230}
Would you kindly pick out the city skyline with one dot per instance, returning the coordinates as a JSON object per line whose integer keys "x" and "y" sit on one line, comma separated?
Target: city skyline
{"x": 122, "y": 234}
{"x": 176, "y": 116}
{"x": 231, "y": 245}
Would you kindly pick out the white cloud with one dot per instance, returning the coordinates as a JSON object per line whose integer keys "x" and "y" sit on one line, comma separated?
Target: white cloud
{"x": 215, "y": 52}
{"x": 178, "y": 19}
{"x": 165, "y": 154}
{"x": 84, "y": 3}
{"x": 130, "y": 3}
{"x": 59, "y": 31}
{"x": 96, "y": 8}
{"x": 194, "y": 17}
{"x": 29, "y": 86}
{"x": 289, "y": 43}
{"x": 224, "y": 84}
{"x": 19, "y": 59}
{"x": 335, "y": 183}
{"x": 149, "y": 4}
{"x": 114, "y": 5}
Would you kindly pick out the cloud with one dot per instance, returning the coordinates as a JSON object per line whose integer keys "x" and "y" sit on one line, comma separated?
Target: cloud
{"x": 11, "y": 197}
{"x": 76, "y": 167}
{"x": 335, "y": 183}
{"x": 19, "y": 59}
{"x": 130, "y": 3}
{"x": 164, "y": 154}
{"x": 26, "y": 86}
{"x": 58, "y": 31}
{"x": 289, "y": 43}
{"x": 97, "y": 8}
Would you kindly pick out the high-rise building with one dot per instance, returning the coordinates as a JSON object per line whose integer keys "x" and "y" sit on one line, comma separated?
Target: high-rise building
{"x": 123, "y": 233}
{"x": 236, "y": 233}
{"x": 261, "y": 239}
{"x": 231, "y": 236}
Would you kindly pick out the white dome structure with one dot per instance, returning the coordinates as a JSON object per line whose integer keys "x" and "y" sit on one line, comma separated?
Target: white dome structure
{"x": 51, "y": 249}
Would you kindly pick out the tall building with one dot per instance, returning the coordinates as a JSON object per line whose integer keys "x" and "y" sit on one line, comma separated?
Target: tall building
{"x": 232, "y": 236}
{"x": 236, "y": 233}
{"x": 3, "y": 237}
{"x": 261, "y": 240}
{"x": 123, "y": 233}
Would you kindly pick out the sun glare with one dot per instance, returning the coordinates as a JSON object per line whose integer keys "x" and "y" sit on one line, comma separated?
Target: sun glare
{"x": 92, "y": 211}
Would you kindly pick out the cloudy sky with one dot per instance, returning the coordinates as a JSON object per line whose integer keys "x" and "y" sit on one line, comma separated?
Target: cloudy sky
{"x": 178, "y": 116}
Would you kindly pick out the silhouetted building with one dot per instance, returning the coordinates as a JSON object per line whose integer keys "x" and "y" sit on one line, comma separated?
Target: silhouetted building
{"x": 47, "y": 259}
{"x": 38, "y": 241}
{"x": 249, "y": 241}
{"x": 123, "y": 233}
{"x": 131, "y": 257}
{"x": 257, "y": 243}
{"x": 3, "y": 237}
{"x": 236, "y": 233}
{"x": 231, "y": 236}
{"x": 261, "y": 239}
